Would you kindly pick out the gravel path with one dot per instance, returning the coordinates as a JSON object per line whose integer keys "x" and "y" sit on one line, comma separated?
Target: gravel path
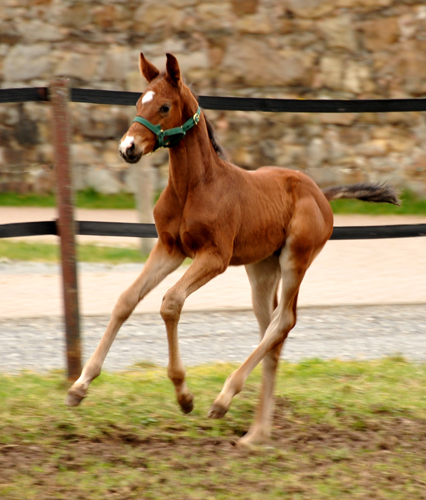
{"x": 367, "y": 332}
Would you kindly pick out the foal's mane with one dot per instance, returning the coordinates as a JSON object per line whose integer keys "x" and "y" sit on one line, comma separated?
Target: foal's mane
{"x": 212, "y": 136}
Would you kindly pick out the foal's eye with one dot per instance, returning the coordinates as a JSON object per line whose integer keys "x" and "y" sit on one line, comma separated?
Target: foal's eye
{"x": 165, "y": 108}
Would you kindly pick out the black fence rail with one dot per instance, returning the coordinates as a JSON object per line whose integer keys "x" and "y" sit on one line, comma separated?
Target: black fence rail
{"x": 128, "y": 229}
{"x": 95, "y": 96}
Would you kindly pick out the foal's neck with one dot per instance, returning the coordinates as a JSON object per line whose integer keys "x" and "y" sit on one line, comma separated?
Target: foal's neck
{"x": 193, "y": 162}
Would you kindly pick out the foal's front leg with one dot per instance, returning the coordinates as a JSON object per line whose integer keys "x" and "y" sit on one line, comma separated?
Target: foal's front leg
{"x": 205, "y": 267}
{"x": 159, "y": 264}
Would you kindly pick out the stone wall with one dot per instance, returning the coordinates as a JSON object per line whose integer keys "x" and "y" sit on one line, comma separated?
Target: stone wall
{"x": 262, "y": 48}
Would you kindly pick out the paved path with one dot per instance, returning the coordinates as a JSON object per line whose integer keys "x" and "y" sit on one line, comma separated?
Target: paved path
{"x": 365, "y": 332}
{"x": 348, "y": 304}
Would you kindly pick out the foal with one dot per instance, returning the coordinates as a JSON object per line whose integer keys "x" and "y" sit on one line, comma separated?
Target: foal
{"x": 273, "y": 221}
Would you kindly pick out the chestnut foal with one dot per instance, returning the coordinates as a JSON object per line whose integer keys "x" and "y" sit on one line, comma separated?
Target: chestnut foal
{"x": 273, "y": 221}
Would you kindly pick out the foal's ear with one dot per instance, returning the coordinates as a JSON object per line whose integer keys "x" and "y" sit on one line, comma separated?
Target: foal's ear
{"x": 148, "y": 70}
{"x": 173, "y": 71}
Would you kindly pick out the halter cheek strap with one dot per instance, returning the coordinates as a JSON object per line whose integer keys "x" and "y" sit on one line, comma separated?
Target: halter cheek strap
{"x": 170, "y": 137}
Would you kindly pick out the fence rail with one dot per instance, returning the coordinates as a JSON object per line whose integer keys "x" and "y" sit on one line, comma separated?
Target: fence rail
{"x": 137, "y": 230}
{"x": 94, "y": 96}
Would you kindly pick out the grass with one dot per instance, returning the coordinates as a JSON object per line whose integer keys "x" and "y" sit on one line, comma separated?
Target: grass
{"x": 46, "y": 252}
{"x": 341, "y": 430}
{"x": 411, "y": 204}
{"x": 88, "y": 198}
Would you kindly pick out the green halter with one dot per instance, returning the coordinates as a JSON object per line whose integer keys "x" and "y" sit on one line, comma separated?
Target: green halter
{"x": 170, "y": 137}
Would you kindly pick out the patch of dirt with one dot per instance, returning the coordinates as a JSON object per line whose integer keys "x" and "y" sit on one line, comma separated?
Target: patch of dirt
{"x": 369, "y": 457}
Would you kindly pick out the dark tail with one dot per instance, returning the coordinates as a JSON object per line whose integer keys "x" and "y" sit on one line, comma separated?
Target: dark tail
{"x": 379, "y": 193}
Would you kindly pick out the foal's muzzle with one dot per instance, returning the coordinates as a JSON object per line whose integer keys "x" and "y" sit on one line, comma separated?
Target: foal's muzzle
{"x": 129, "y": 153}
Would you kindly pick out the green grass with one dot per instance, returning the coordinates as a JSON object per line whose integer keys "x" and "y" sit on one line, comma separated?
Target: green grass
{"x": 88, "y": 198}
{"x": 411, "y": 204}
{"x": 352, "y": 430}
{"x": 46, "y": 252}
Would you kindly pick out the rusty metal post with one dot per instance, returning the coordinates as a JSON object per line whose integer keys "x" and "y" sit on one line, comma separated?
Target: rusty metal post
{"x": 59, "y": 96}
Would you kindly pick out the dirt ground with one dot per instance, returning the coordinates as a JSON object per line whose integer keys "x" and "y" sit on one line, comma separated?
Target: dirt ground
{"x": 368, "y": 458}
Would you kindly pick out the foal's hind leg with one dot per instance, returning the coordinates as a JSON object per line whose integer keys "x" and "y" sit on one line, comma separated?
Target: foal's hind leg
{"x": 159, "y": 264}
{"x": 294, "y": 263}
{"x": 264, "y": 278}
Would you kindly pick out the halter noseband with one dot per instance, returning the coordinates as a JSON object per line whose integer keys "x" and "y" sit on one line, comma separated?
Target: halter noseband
{"x": 170, "y": 137}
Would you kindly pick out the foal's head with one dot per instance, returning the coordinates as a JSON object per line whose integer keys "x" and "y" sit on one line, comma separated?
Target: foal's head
{"x": 166, "y": 103}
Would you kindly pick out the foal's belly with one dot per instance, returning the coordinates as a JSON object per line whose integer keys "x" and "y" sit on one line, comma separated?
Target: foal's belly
{"x": 258, "y": 247}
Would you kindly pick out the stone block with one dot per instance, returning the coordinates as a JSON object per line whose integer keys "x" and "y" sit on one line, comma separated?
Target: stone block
{"x": 243, "y": 158}
{"x": 110, "y": 157}
{"x": 45, "y": 154}
{"x": 358, "y": 78}
{"x": 75, "y": 65}
{"x": 261, "y": 24}
{"x": 243, "y": 7}
{"x": 310, "y": 8}
{"x": 152, "y": 15}
{"x": 215, "y": 16}
{"x": 179, "y": 4}
{"x": 337, "y": 118}
{"x": 84, "y": 154}
{"x": 253, "y": 62}
{"x": 102, "y": 180}
{"x": 76, "y": 14}
{"x": 291, "y": 155}
{"x": 374, "y": 147}
{"x": 27, "y": 62}
{"x": 316, "y": 152}
{"x": 135, "y": 82}
{"x": 379, "y": 34}
{"x": 43, "y": 180}
{"x": 9, "y": 34}
{"x": 331, "y": 72}
{"x": 411, "y": 66}
{"x": 101, "y": 123}
{"x": 366, "y": 4}
{"x": 339, "y": 32}
{"x": 192, "y": 61}
{"x": 36, "y": 30}
{"x": 352, "y": 135}
{"x": 115, "y": 64}
{"x": 110, "y": 16}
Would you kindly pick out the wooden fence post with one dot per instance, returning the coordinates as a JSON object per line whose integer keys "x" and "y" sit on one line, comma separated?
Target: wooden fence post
{"x": 61, "y": 130}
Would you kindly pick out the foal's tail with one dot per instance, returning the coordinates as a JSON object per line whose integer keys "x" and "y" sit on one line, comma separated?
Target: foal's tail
{"x": 379, "y": 193}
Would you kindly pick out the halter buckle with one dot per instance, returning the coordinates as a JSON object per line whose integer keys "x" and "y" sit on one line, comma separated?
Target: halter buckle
{"x": 196, "y": 117}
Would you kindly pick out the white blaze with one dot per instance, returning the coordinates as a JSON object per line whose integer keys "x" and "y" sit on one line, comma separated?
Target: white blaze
{"x": 148, "y": 97}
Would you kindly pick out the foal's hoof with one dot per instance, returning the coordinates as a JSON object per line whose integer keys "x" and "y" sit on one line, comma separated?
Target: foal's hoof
{"x": 251, "y": 440}
{"x": 217, "y": 411}
{"x": 73, "y": 398}
{"x": 187, "y": 404}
